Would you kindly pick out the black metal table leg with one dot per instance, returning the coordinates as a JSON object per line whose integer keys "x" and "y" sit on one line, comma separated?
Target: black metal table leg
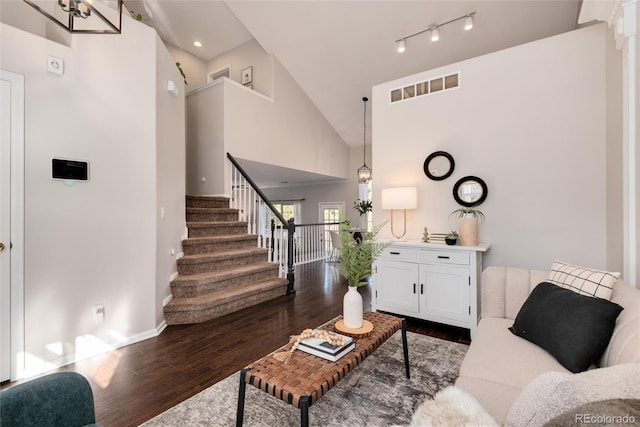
{"x": 304, "y": 411}
{"x": 241, "y": 391}
{"x": 405, "y": 348}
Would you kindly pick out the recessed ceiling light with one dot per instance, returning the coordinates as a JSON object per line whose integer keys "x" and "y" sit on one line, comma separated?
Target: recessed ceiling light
{"x": 197, "y": 44}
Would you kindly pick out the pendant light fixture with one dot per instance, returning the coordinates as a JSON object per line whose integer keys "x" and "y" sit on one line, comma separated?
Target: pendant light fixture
{"x": 93, "y": 17}
{"x": 364, "y": 173}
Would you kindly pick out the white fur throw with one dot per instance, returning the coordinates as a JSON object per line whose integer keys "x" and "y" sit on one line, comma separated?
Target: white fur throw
{"x": 451, "y": 407}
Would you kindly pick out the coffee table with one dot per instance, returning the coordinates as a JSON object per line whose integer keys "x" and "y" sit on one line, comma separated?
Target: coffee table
{"x": 306, "y": 378}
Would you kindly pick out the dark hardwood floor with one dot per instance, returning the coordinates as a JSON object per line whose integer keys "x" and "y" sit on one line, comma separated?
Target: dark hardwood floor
{"x": 135, "y": 383}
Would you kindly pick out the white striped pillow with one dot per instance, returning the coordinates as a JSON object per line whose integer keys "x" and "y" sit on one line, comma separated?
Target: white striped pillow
{"x": 585, "y": 281}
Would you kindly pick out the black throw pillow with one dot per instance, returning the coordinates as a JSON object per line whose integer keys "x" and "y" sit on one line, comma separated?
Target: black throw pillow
{"x": 573, "y": 328}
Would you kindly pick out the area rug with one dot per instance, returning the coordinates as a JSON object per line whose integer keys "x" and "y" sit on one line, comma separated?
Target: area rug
{"x": 376, "y": 393}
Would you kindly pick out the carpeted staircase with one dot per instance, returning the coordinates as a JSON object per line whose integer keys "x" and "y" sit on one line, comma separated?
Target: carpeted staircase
{"x": 222, "y": 270}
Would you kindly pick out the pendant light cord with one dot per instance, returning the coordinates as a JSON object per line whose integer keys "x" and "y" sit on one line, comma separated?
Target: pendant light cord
{"x": 364, "y": 131}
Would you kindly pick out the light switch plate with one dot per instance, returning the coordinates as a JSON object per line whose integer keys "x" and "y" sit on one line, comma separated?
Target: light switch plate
{"x": 55, "y": 65}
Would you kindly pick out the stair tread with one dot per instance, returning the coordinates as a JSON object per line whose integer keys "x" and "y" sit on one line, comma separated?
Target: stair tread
{"x": 194, "y": 197}
{"x": 227, "y": 254}
{"x": 222, "y": 296}
{"x": 194, "y": 279}
{"x": 219, "y": 239}
{"x": 216, "y": 210}
{"x": 202, "y": 224}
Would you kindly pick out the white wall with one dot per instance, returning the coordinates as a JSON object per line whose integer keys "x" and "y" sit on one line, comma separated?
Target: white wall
{"x": 287, "y": 131}
{"x": 346, "y": 192}
{"x": 94, "y": 242}
{"x": 530, "y": 121}
{"x": 614, "y": 197}
{"x": 170, "y": 175}
{"x": 194, "y": 68}
{"x": 205, "y": 140}
{"x": 246, "y": 55}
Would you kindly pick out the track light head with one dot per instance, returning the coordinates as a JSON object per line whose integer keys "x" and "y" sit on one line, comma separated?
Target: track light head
{"x": 402, "y": 45}
{"x": 468, "y": 23}
{"x": 435, "y": 34}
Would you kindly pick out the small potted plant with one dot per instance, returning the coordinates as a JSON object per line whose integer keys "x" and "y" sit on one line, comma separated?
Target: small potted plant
{"x": 363, "y": 206}
{"x": 451, "y": 238}
{"x": 468, "y": 225}
{"x": 356, "y": 258}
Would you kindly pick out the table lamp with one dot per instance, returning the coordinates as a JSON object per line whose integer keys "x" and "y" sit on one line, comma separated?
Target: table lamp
{"x": 399, "y": 198}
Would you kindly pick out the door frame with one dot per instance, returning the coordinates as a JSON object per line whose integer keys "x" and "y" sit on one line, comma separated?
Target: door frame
{"x": 16, "y": 244}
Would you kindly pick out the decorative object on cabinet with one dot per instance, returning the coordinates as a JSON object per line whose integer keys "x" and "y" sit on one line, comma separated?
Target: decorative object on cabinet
{"x": 364, "y": 172}
{"x": 430, "y": 281}
{"x": 425, "y": 235}
{"x": 399, "y": 198}
{"x": 451, "y": 238}
{"x": 439, "y": 165}
{"x": 468, "y": 225}
{"x": 356, "y": 260}
{"x": 247, "y": 75}
{"x": 470, "y": 191}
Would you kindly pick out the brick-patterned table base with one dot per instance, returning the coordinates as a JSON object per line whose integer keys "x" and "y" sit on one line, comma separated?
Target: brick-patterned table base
{"x": 306, "y": 378}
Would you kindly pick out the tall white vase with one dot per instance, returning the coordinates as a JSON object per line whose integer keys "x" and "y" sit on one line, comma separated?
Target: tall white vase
{"x": 352, "y": 308}
{"x": 468, "y": 231}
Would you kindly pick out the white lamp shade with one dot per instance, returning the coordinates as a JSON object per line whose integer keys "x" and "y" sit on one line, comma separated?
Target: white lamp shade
{"x": 399, "y": 198}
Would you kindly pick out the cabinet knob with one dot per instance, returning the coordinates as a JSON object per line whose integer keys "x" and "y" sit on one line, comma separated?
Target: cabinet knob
{"x": 414, "y": 288}
{"x": 421, "y": 288}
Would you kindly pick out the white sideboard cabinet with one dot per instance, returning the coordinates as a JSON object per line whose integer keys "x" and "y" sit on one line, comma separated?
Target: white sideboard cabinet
{"x": 430, "y": 281}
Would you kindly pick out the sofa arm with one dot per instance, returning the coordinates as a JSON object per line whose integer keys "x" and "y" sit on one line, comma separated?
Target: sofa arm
{"x": 504, "y": 289}
{"x": 60, "y": 399}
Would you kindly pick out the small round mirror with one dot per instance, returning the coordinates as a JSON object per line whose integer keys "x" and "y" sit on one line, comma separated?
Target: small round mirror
{"x": 439, "y": 165}
{"x": 470, "y": 191}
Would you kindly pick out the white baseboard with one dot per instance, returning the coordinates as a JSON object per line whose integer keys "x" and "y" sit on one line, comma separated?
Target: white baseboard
{"x": 37, "y": 367}
{"x": 166, "y": 300}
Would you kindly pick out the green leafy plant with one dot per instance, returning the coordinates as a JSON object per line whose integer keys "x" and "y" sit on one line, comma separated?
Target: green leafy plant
{"x": 184, "y": 77}
{"x": 462, "y": 212}
{"x": 357, "y": 255}
{"x": 363, "y": 206}
{"x": 452, "y": 235}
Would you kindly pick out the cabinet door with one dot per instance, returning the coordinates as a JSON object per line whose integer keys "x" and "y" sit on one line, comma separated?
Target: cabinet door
{"x": 397, "y": 286}
{"x": 444, "y": 294}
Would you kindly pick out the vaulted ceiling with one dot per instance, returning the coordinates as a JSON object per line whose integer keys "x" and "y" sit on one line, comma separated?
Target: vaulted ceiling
{"x": 338, "y": 50}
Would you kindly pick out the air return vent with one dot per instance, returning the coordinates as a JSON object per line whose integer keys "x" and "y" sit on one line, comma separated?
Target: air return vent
{"x": 436, "y": 84}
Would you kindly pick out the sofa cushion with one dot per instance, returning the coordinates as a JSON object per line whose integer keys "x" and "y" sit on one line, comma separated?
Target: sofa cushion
{"x": 574, "y": 328}
{"x": 497, "y": 355}
{"x": 495, "y": 398}
{"x": 585, "y": 281}
{"x": 554, "y": 393}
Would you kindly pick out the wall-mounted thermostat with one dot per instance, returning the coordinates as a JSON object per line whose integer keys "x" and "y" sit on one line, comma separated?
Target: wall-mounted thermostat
{"x": 77, "y": 170}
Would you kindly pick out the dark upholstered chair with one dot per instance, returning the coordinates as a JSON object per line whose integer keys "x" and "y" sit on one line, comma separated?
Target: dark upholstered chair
{"x": 63, "y": 399}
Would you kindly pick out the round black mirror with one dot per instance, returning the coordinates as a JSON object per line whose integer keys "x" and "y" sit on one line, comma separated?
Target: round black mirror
{"x": 470, "y": 191}
{"x": 439, "y": 165}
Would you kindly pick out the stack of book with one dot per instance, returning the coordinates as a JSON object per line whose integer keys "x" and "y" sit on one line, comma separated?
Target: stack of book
{"x": 321, "y": 348}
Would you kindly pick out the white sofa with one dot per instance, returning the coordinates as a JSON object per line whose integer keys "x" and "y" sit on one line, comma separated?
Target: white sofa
{"x": 500, "y": 365}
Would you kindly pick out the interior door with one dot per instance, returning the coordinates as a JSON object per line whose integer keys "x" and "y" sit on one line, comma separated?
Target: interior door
{"x": 330, "y": 213}
{"x": 12, "y": 360}
{"x": 5, "y": 230}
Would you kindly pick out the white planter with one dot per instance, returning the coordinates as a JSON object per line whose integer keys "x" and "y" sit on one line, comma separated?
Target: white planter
{"x": 363, "y": 222}
{"x": 468, "y": 231}
{"x": 352, "y": 308}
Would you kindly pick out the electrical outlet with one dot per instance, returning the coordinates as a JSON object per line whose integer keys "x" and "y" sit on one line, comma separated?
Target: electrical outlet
{"x": 98, "y": 313}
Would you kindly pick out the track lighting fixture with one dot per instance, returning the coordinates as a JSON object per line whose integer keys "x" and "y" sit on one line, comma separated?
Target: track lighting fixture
{"x": 402, "y": 45}
{"x": 435, "y": 34}
{"x": 468, "y": 23}
{"x": 434, "y": 29}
